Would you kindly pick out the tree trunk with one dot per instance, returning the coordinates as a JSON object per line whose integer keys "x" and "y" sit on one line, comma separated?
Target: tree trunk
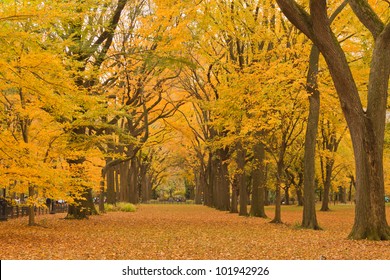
{"x": 208, "y": 194}
{"x": 123, "y": 174}
{"x": 278, "y": 213}
{"x": 327, "y": 184}
{"x": 299, "y": 189}
{"x": 110, "y": 179}
{"x": 225, "y": 190}
{"x": 278, "y": 199}
{"x": 279, "y": 180}
{"x": 370, "y": 216}
{"x": 366, "y": 127}
{"x": 351, "y": 186}
{"x": 266, "y": 197}
{"x": 233, "y": 202}
{"x": 309, "y": 219}
{"x": 31, "y": 214}
{"x": 258, "y": 188}
{"x": 223, "y": 181}
{"x": 286, "y": 195}
{"x": 242, "y": 188}
{"x": 342, "y": 195}
{"x": 200, "y": 182}
{"x": 116, "y": 183}
{"x": 215, "y": 167}
{"x": 325, "y": 199}
{"x": 82, "y": 208}
{"x": 368, "y": 137}
{"x": 299, "y": 197}
{"x": 133, "y": 183}
{"x": 101, "y": 197}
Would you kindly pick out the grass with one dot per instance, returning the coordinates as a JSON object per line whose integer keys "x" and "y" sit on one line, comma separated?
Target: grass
{"x": 121, "y": 206}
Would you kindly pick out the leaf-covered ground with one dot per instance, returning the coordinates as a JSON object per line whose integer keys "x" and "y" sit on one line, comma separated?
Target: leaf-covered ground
{"x": 187, "y": 232}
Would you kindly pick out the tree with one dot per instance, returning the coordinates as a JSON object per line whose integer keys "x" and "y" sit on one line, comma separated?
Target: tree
{"x": 38, "y": 98}
{"x": 309, "y": 219}
{"x": 139, "y": 76}
{"x": 366, "y": 126}
{"x": 329, "y": 142}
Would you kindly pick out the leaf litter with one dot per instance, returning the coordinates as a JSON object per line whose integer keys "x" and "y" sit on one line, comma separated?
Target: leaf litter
{"x": 187, "y": 232}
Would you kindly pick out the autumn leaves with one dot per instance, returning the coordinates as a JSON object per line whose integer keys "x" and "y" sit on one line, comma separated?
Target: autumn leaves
{"x": 153, "y": 96}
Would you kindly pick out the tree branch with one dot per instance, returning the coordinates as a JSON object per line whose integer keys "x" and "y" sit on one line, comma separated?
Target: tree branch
{"x": 367, "y": 16}
{"x": 297, "y": 16}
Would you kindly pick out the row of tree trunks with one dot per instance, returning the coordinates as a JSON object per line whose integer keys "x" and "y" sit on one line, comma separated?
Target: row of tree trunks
{"x": 200, "y": 183}
{"x": 214, "y": 189}
{"x": 214, "y": 181}
{"x": 221, "y": 182}
{"x": 129, "y": 181}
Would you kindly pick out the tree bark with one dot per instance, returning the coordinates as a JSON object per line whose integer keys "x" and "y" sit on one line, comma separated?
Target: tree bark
{"x": 101, "y": 197}
{"x": 234, "y": 196}
{"x": 309, "y": 219}
{"x": 299, "y": 197}
{"x": 366, "y": 127}
{"x": 327, "y": 184}
{"x": 123, "y": 181}
{"x": 258, "y": 187}
{"x": 110, "y": 179}
{"x": 31, "y": 214}
{"x": 81, "y": 209}
{"x": 208, "y": 193}
{"x": 286, "y": 190}
{"x": 279, "y": 180}
{"x": 223, "y": 193}
{"x": 200, "y": 183}
{"x": 242, "y": 188}
{"x": 133, "y": 194}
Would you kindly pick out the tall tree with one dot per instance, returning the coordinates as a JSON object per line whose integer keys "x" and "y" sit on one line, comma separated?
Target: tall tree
{"x": 38, "y": 98}
{"x": 366, "y": 125}
{"x": 309, "y": 219}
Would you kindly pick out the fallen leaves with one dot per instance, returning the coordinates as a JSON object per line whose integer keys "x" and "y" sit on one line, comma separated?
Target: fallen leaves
{"x": 187, "y": 232}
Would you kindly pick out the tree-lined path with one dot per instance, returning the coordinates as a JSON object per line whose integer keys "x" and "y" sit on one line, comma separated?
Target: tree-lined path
{"x": 187, "y": 232}
{"x": 243, "y": 106}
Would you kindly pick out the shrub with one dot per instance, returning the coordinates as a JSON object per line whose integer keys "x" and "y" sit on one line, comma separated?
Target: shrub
{"x": 121, "y": 206}
{"x": 126, "y": 207}
{"x": 110, "y": 207}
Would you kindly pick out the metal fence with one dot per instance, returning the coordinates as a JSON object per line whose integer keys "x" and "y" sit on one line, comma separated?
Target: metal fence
{"x": 12, "y": 212}
{"x": 153, "y": 201}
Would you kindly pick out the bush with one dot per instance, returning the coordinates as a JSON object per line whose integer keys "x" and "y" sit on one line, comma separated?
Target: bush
{"x": 110, "y": 207}
{"x": 121, "y": 206}
{"x": 126, "y": 207}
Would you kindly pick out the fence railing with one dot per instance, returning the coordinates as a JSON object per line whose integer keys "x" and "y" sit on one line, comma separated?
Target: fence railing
{"x": 153, "y": 201}
{"x": 12, "y": 212}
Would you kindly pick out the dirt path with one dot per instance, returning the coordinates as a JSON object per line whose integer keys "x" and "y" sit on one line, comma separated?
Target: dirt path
{"x": 186, "y": 232}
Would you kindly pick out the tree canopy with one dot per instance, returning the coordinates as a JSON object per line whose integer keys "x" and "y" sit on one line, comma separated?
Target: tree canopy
{"x": 212, "y": 101}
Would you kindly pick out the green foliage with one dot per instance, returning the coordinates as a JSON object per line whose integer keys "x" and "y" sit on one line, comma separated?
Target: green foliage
{"x": 120, "y": 207}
